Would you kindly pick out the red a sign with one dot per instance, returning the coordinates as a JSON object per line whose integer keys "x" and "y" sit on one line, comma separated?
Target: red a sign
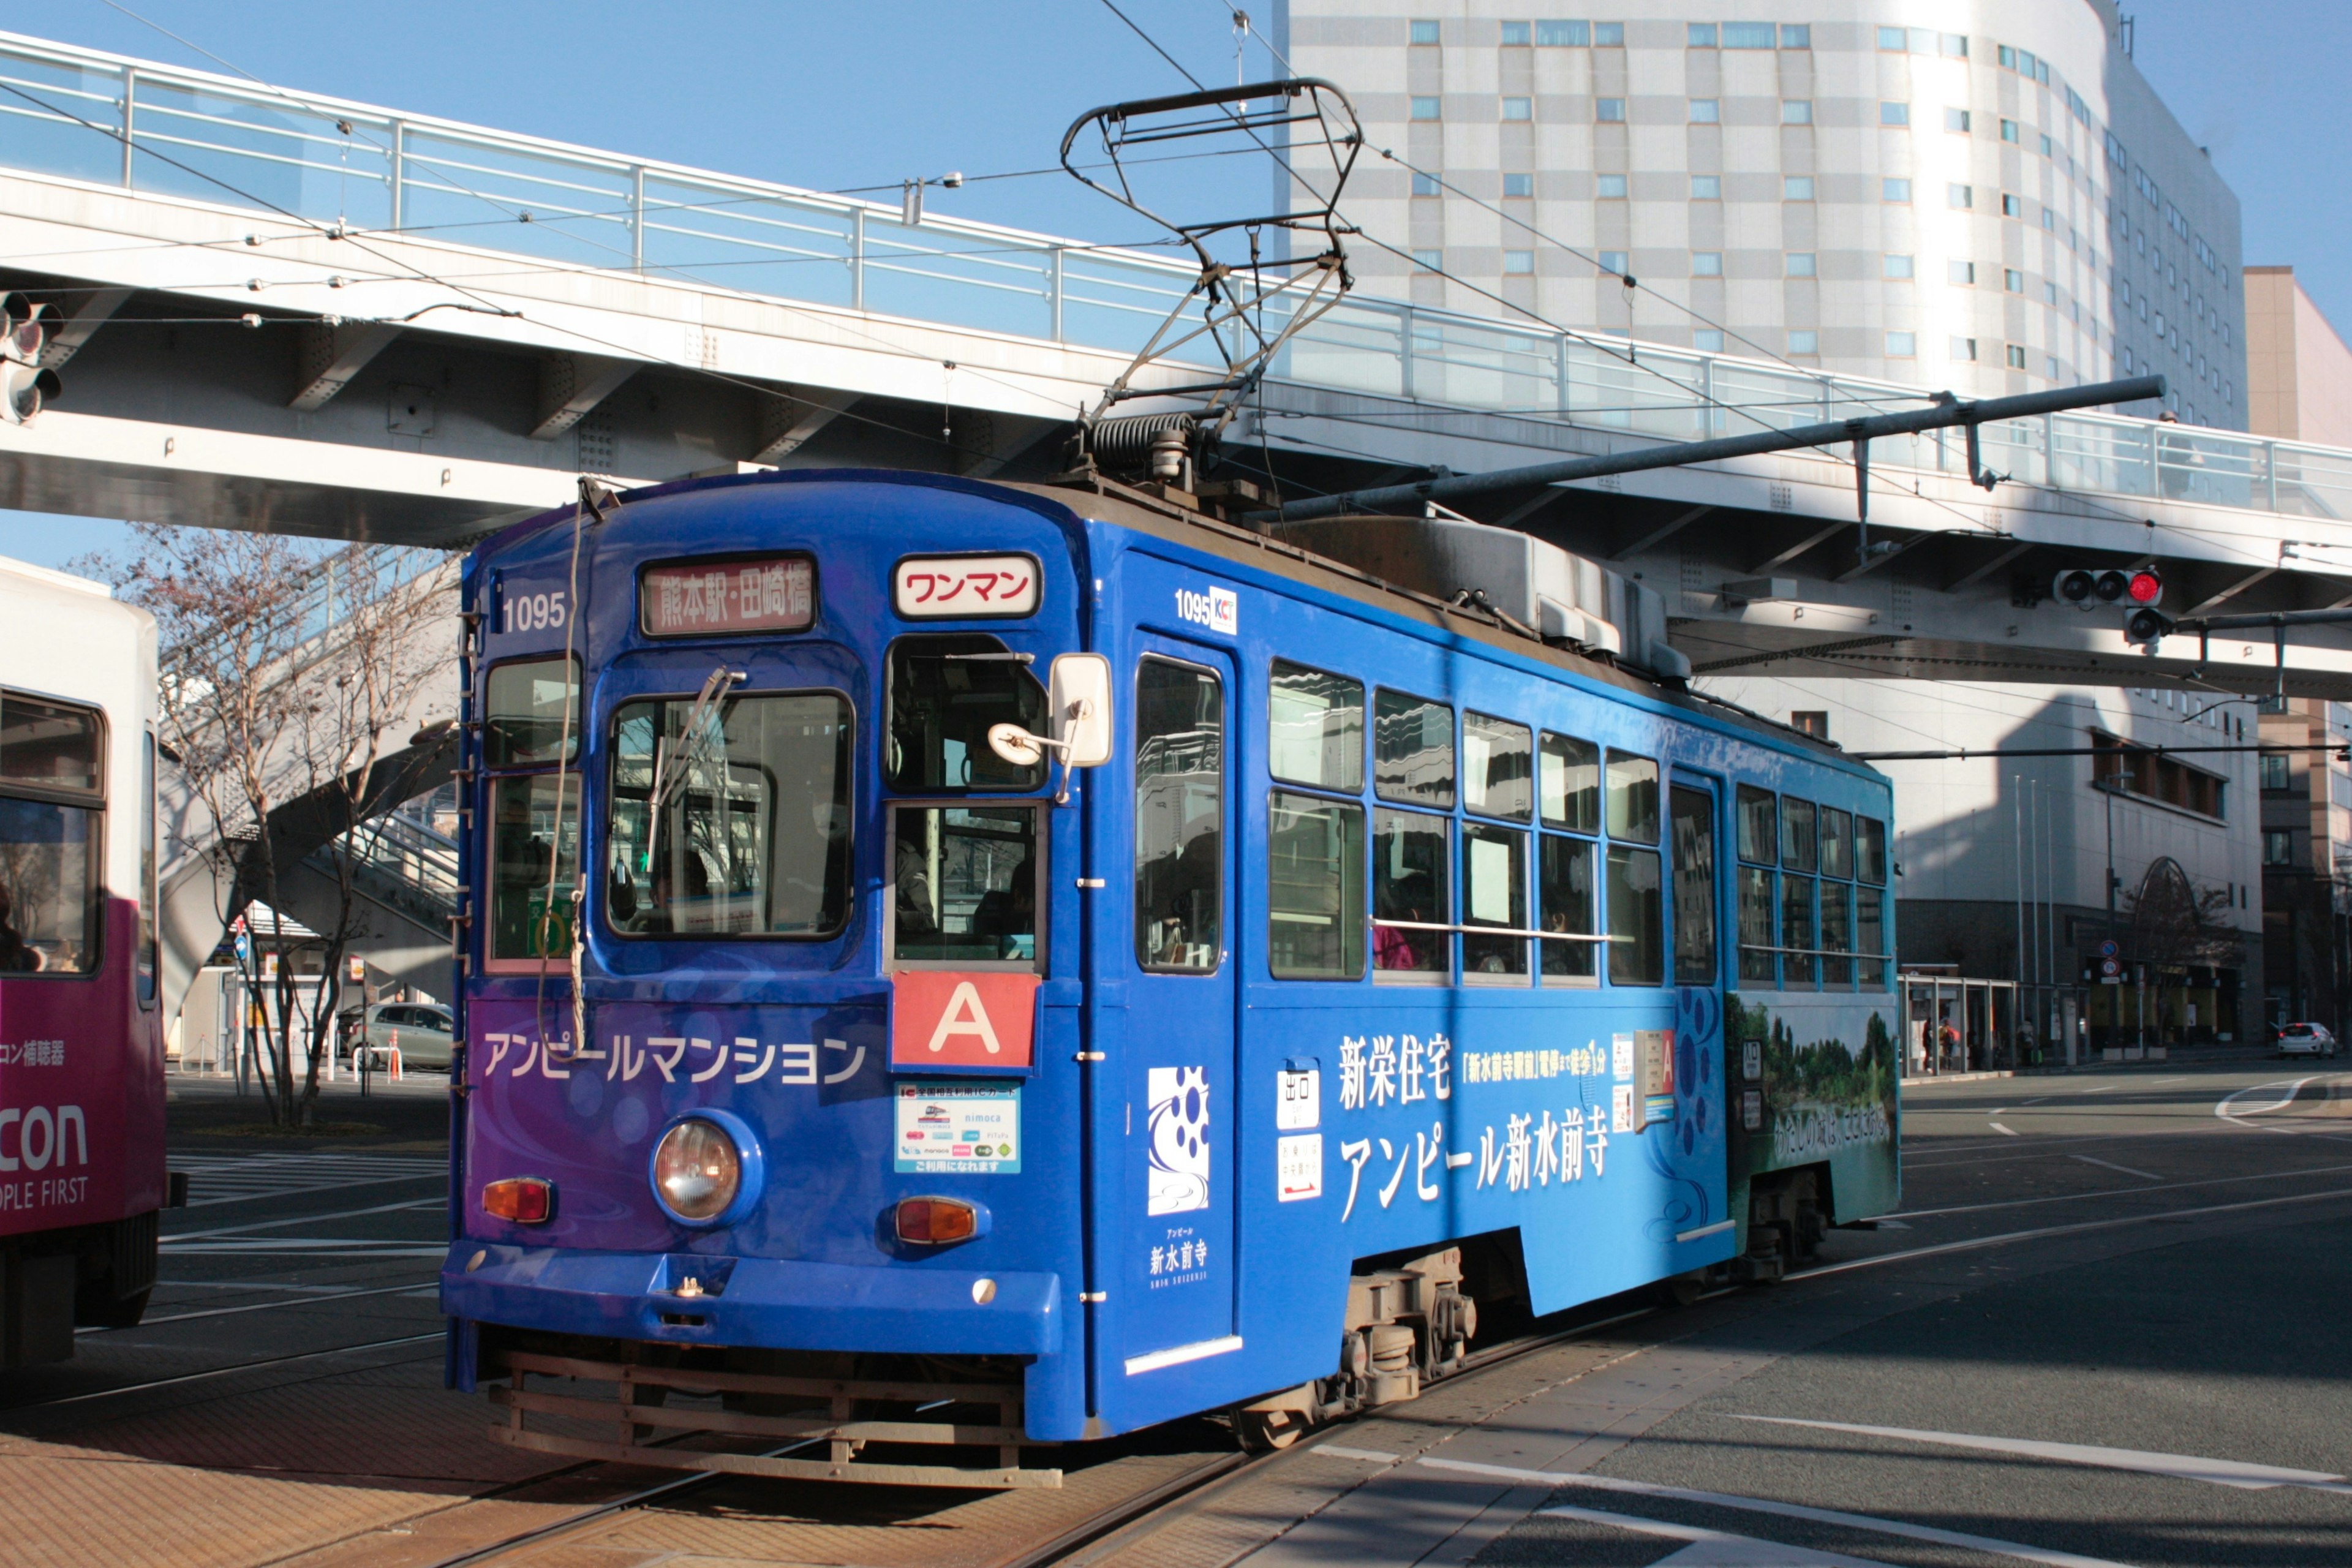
{"x": 941, "y": 1018}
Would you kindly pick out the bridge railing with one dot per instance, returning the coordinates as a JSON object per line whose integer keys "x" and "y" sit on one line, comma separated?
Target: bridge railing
{"x": 111, "y": 121}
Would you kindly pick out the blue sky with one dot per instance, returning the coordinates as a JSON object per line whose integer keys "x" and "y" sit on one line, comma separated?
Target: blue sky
{"x": 867, "y": 93}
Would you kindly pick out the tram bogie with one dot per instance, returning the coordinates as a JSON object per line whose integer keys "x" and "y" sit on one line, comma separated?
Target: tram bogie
{"x": 919, "y": 922}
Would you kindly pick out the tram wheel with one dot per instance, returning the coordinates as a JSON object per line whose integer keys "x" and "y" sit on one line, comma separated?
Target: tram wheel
{"x": 120, "y": 1313}
{"x": 1269, "y": 1431}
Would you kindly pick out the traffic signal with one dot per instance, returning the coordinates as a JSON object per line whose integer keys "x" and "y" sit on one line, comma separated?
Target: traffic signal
{"x": 2146, "y": 628}
{"x": 2140, "y": 588}
{"x": 25, "y": 386}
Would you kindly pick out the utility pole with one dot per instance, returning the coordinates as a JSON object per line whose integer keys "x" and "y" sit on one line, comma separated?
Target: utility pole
{"x": 2109, "y": 788}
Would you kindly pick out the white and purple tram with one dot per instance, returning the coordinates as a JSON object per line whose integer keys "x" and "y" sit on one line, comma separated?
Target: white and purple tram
{"x": 81, "y": 1065}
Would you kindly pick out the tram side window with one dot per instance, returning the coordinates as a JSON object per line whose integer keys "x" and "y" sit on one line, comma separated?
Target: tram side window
{"x": 1837, "y": 899}
{"x": 1635, "y": 895}
{"x": 1869, "y": 902}
{"x": 1315, "y": 729}
{"x": 1572, "y": 783}
{"x": 1800, "y": 935}
{"x": 945, "y": 694}
{"x": 1497, "y": 767}
{"x": 50, "y": 903}
{"x": 966, "y": 882}
{"x": 1870, "y": 850}
{"x": 1870, "y": 936}
{"x": 1412, "y": 887}
{"x": 1494, "y": 893}
{"x": 1633, "y": 798}
{"x": 534, "y": 862}
{"x": 530, "y": 713}
{"x": 1837, "y": 842}
{"x": 1412, "y": 748}
{"x": 1315, "y": 885}
{"x": 1566, "y": 893}
{"x": 732, "y": 820}
{"x": 1692, "y": 823}
{"x": 1758, "y": 817}
{"x": 1179, "y": 759}
{"x": 1637, "y": 939}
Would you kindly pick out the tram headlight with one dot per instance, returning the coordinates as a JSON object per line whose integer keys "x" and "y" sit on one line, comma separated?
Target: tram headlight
{"x": 707, "y": 1169}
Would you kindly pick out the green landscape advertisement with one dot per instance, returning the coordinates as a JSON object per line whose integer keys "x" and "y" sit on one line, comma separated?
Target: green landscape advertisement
{"x": 1829, "y": 1092}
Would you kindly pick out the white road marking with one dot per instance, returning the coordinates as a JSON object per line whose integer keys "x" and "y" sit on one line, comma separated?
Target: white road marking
{"x": 2103, "y": 1088}
{"x": 310, "y": 1300}
{"x": 241, "y": 1178}
{"x": 2110, "y": 1164}
{"x": 302, "y": 1219}
{"x": 2075, "y": 1229}
{"x": 1714, "y": 1547}
{"x": 2178, "y": 1079}
{"x": 2043, "y": 1101}
{"x": 1999, "y": 1128}
{"x": 1369, "y": 1456}
{"x": 1884, "y": 1220}
{"x": 2221, "y": 1106}
{"x": 2188, "y": 1467}
{"x": 1782, "y": 1509}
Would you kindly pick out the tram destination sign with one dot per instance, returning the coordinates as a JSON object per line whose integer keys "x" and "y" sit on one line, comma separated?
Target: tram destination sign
{"x": 717, "y": 598}
{"x": 965, "y": 587}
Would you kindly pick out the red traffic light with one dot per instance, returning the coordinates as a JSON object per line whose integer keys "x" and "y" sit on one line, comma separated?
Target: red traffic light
{"x": 2145, "y": 587}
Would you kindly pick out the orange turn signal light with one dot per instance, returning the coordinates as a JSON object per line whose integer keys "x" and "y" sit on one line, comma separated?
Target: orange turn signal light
{"x": 525, "y": 1200}
{"x": 934, "y": 1222}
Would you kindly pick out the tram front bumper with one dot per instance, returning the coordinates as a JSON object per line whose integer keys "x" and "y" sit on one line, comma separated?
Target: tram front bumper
{"x": 776, "y": 1302}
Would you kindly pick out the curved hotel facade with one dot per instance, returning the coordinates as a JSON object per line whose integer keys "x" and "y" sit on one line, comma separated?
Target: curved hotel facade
{"x": 1983, "y": 195}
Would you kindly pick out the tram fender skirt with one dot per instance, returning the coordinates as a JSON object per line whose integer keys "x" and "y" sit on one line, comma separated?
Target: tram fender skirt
{"x": 766, "y": 1302}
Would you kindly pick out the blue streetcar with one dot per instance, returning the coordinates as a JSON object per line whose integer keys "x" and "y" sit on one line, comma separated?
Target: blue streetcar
{"x": 1049, "y": 960}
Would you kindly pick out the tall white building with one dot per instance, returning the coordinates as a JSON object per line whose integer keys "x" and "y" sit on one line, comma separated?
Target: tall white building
{"x": 1983, "y": 195}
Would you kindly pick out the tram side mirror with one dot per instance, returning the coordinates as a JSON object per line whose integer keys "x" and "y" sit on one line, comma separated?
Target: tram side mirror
{"x": 1078, "y": 720}
{"x": 1078, "y": 697}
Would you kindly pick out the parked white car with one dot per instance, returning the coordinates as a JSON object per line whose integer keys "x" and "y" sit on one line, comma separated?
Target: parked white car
{"x": 422, "y": 1031}
{"x": 2306, "y": 1040}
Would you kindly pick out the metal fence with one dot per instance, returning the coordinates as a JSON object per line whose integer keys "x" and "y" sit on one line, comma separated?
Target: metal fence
{"x": 145, "y": 128}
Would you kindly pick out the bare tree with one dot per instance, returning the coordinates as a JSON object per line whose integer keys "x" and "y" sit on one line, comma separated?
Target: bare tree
{"x": 2175, "y": 927}
{"x": 289, "y": 675}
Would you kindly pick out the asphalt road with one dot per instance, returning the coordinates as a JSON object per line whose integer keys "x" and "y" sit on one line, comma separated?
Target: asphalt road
{"x": 2106, "y": 1328}
{"x": 289, "y": 1249}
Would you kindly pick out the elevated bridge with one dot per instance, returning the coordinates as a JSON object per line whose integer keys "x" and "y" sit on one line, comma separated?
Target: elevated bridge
{"x": 293, "y": 313}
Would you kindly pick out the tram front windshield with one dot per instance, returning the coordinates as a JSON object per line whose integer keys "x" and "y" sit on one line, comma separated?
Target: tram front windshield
{"x": 734, "y": 823}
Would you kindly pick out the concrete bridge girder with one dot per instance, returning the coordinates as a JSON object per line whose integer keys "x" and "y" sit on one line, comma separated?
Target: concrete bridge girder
{"x": 410, "y": 389}
{"x": 1759, "y": 558}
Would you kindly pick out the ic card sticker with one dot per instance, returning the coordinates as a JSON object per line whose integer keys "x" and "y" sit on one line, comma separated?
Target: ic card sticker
{"x": 959, "y": 1129}
{"x": 1299, "y": 1166}
{"x": 1299, "y": 1100}
{"x": 1621, "y": 1057}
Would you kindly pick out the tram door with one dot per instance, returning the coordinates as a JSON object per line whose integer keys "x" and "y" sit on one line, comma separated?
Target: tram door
{"x": 1692, "y": 815}
{"x": 1168, "y": 1253}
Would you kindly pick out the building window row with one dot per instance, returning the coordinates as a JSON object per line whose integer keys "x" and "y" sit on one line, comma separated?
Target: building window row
{"x": 1569, "y": 34}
